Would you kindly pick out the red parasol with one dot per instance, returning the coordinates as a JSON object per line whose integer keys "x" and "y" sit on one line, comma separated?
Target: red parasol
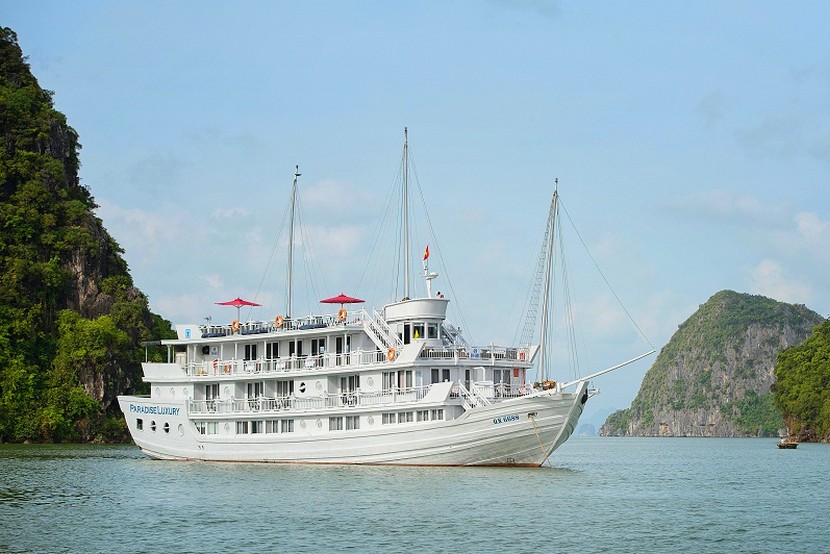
{"x": 238, "y": 303}
{"x": 342, "y": 299}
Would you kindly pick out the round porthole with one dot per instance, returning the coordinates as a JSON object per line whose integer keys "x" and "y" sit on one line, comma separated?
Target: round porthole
{"x": 319, "y": 423}
{"x": 371, "y": 420}
{"x": 318, "y": 385}
{"x": 166, "y": 427}
{"x": 302, "y": 424}
{"x": 181, "y": 430}
{"x": 227, "y": 427}
{"x": 227, "y": 391}
{"x": 172, "y": 392}
{"x": 185, "y": 392}
{"x": 301, "y": 388}
{"x": 158, "y": 392}
{"x": 153, "y": 426}
{"x": 370, "y": 381}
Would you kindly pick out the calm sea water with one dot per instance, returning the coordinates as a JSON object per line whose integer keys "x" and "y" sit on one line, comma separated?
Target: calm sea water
{"x": 602, "y": 495}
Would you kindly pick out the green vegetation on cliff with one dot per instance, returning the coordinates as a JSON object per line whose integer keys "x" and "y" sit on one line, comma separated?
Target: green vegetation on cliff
{"x": 802, "y": 387}
{"x": 713, "y": 377}
{"x": 70, "y": 317}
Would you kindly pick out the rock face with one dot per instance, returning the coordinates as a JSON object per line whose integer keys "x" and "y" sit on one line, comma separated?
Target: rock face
{"x": 713, "y": 378}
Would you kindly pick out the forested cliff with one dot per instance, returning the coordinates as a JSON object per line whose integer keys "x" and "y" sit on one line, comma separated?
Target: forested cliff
{"x": 714, "y": 376}
{"x": 70, "y": 317}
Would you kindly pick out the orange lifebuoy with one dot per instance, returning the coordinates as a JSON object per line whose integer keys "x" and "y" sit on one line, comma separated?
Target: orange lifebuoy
{"x": 278, "y": 321}
{"x": 390, "y": 354}
{"x": 215, "y": 364}
{"x": 235, "y": 325}
{"x": 341, "y": 314}
{"x": 521, "y": 356}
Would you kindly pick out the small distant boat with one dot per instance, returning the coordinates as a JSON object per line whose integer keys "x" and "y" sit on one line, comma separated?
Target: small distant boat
{"x": 787, "y": 443}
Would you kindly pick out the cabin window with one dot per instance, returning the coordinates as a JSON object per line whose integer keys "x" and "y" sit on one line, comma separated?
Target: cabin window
{"x": 242, "y": 427}
{"x": 250, "y": 352}
{"x": 295, "y": 348}
{"x": 255, "y": 389}
{"x": 418, "y": 331}
{"x": 352, "y": 423}
{"x": 285, "y": 388}
{"x": 272, "y": 350}
{"x": 423, "y": 415}
{"x": 406, "y": 333}
{"x": 287, "y": 426}
{"x": 257, "y": 426}
{"x": 467, "y": 378}
{"x": 139, "y": 424}
{"x": 432, "y": 331}
{"x": 405, "y": 379}
{"x": 405, "y": 417}
{"x": 501, "y": 376}
{"x": 437, "y": 414}
{"x": 335, "y": 424}
{"x": 389, "y": 418}
{"x": 445, "y": 374}
{"x": 201, "y": 427}
{"x": 213, "y": 428}
{"x": 436, "y": 375}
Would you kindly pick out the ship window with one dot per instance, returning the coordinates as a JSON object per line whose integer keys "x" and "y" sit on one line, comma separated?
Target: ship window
{"x": 388, "y": 418}
{"x": 405, "y": 417}
{"x": 139, "y": 424}
{"x": 436, "y": 375}
{"x": 241, "y": 427}
{"x": 432, "y": 331}
{"x": 437, "y": 414}
{"x": 423, "y": 415}
{"x": 352, "y": 422}
{"x": 201, "y": 427}
{"x": 166, "y": 427}
{"x": 335, "y": 424}
{"x": 287, "y": 426}
{"x": 405, "y": 379}
{"x": 285, "y": 389}
{"x": 445, "y": 374}
{"x": 272, "y": 350}
{"x": 418, "y": 331}
{"x": 256, "y": 426}
{"x": 213, "y": 428}
{"x": 250, "y": 351}
{"x": 153, "y": 426}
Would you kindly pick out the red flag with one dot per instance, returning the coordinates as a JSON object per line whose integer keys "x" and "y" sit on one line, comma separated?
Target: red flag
{"x": 426, "y": 253}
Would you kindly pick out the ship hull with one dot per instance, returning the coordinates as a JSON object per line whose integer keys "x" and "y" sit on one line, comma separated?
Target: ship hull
{"x": 521, "y": 431}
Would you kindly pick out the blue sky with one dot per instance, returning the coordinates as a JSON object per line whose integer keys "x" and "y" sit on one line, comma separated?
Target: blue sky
{"x": 691, "y": 141}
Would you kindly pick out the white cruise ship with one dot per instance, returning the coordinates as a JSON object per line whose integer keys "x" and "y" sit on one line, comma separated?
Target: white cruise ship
{"x": 397, "y": 385}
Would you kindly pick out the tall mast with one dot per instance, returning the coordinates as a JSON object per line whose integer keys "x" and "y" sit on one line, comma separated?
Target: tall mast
{"x": 405, "y": 215}
{"x": 291, "y": 242}
{"x": 543, "y": 372}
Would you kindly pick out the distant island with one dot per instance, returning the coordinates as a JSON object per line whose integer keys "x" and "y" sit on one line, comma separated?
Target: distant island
{"x": 715, "y": 376}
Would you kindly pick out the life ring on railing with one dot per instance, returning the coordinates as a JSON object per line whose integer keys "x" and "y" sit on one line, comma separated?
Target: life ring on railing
{"x": 390, "y": 354}
{"x": 227, "y": 368}
{"x": 235, "y": 325}
{"x": 521, "y": 356}
{"x": 278, "y": 321}
{"x": 215, "y": 365}
{"x": 341, "y": 314}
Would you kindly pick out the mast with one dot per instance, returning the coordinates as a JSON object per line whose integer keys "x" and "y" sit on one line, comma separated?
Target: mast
{"x": 405, "y": 215}
{"x": 543, "y": 374}
{"x": 291, "y": 242}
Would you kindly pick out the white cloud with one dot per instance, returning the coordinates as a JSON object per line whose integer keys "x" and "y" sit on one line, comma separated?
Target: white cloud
{"x": 230, "y": 213}
{"x": 730, "y": 207}
{"x": 214, "y": 280}
{"x": 812, "y": 228}
{"x": 770, "y": 279}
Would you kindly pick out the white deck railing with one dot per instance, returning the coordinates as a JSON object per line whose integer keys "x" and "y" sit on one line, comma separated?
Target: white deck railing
{"x": 284, "y": 365}
{"x": 486, "y": 354}
{"x": 390, "y": 397}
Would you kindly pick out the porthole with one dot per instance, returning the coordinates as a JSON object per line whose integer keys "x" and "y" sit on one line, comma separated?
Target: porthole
{"x": 318, "y": 385}
{"x": 371, "y": 420}
{"x": 158, "y": 392}
{"x": 181, "y": 430}
{"x": 227, "y": 391}
{"x": 302, "y": 424}
{"x": 153, "y": 426}
{"x": 166, "y": 427}
{"x": 319, "y": 423}
{"x": 227, "y": 427}
{"x": 172, "y": 392}
{"x": 370, "y": 382}
{"x": 301, "y": 388}
{"x": 185, "y": 392}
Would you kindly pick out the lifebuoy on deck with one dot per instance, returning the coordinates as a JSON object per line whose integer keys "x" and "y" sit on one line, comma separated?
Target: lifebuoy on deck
{"x": 215, "y": 364}
{"x": 521, "y": 356}
{"x": 227, "y": 368}
{"x": 341, "y": 314}
{"x": 279, "y": 321}
{"x": 235, "y": 325}
{"x": 390, "y": 354}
